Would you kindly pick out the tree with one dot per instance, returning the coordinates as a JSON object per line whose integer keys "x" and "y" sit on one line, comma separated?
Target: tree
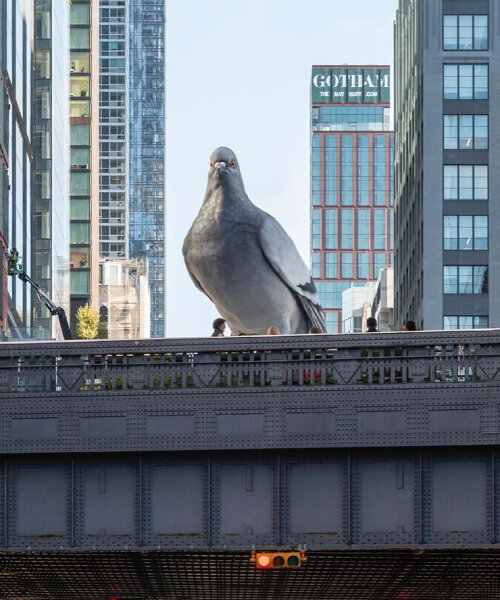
{"x": 87, "y": 323}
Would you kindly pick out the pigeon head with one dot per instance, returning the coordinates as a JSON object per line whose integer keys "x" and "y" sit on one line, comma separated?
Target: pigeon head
{"x": 224, "y": 167}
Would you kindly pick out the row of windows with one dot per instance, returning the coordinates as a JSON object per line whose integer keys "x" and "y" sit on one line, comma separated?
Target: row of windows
{"x": 465, "y": 82}
{"x": 465, "y": 182}
{"x": 465, "y": 232}
{"x": 378, "y": 234}
{"x": 347, "y": 265}
{"x": 453, "y": 322}
{"x": 465, "y": 132}
{"x": 465, "y": 32}
{"x": 375, "y": 189}
{"x": 465, "y": 279}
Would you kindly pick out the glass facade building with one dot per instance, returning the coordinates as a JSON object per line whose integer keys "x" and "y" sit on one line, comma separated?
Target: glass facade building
{"x": 114, "y": 121}
{"x": 351, "y": 181}
{"x": 132, "y": 140}
{"x": 51, "y": 142}
{"x": 147, "y": 149}
{"x": 446, "y": 264}
{"x": 16, "y": 157}
{"x": 84, "y": 154}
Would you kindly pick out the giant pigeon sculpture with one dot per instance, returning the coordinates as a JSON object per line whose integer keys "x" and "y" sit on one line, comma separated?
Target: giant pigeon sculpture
{"x": 245, "y": 262}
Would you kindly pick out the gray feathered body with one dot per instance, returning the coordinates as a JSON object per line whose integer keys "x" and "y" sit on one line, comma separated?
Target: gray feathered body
{"x": 225, "y": 253}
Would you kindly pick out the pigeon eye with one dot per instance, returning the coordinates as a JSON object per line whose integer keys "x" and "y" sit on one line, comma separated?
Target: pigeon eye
{"x": 211, "y": 165}
{"x": 232, "y": 163}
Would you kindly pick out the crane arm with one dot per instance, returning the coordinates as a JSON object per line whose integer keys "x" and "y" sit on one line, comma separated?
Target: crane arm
{"x": 53, "y": 308}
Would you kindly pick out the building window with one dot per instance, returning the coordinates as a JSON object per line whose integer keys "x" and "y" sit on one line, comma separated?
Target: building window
{"x": 379, "y": 170}
{"x": 331, "y": 322}
{"x": 465, "y": 32}
{"x": 79, "y": 209}
{"x": 315, "y": 171}
{"x": 79, "y": 39}
{"x": 465, "y": 232}
{"x": 363, "y": 266}
{"x": 452, "y": 322}
{"x": 465, "y": 82}
{"x": 379, "y": 262}
{"x": 79, "y": 282}
{"x": 465, "y": 182}
{"x": 363, "y": 170}
{"x": 331, "y": 170}
{"x": 363, "y": 215}
{"x": 79, "y": 233}
{"x": 347, "y": 227}
{"x": 316, "y": 228}
{"x": 330, "y": 293}
{"x": 79, "y": 184}
{"x": 316, "y": 265}
{"x": 465, "y": 132}
{"x": 465, "y": 279}
{"x": 347, "y": 265}
{"x": 379, "y": 233}
{"x": 331, "y": 229}
{"x": 347, "y": 170}
{"x": 330, "y": 265}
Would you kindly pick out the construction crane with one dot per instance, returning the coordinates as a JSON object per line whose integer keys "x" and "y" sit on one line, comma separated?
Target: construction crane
{"x": 14, "y": 268}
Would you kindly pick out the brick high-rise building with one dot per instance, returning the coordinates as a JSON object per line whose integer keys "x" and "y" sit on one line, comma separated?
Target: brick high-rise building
{"x": 351, "y": 180}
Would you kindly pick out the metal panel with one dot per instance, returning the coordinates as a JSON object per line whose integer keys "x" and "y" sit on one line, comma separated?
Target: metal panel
{"x": 245, "y": 502}
{"x": 177, "y": 498}
{"x": 105, "y": 426}
{"x": 385, "y": 501}
{"x": 38, "y": 509}
{"x": 164, "y": 425}
{"x": 109, "y": 503}
{"x": 35, "y": 428}
{"x": 459, "y": 496}
{"x": 315, "y": 503}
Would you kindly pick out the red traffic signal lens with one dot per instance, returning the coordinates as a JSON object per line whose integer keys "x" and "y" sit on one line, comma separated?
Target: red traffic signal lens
{"x": 263, "y": 561}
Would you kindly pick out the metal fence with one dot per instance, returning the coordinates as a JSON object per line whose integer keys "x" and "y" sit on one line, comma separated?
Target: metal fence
{"x": 250, "y": 362}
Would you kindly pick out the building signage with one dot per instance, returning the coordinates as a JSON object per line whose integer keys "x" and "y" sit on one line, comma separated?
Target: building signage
{"x": 359, "y": 86}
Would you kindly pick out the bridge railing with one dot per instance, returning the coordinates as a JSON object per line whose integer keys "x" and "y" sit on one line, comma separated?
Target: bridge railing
{"x": 249, "y": 362}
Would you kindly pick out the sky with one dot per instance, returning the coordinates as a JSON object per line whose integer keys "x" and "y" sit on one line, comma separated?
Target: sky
{"x": 238, "y": 75}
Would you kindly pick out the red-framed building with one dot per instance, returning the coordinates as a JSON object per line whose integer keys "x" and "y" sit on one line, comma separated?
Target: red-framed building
{"x": 351, "y": 180}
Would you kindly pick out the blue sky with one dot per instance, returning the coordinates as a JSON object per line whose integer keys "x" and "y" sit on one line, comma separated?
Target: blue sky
{"x": 238, "y": 75}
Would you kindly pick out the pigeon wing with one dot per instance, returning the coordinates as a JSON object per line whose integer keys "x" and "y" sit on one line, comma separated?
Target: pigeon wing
{"x": 190, "y": 271}
{"x": 284, "y": 258}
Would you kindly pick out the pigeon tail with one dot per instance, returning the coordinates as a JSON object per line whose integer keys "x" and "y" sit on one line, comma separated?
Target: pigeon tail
{"x": 313, "y": 313}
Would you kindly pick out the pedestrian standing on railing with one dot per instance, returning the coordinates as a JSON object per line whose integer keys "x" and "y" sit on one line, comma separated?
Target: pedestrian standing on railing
{"x": 371, "y": 325}
{"x": 219, "y": 326}
{"x": 409, "y": 326}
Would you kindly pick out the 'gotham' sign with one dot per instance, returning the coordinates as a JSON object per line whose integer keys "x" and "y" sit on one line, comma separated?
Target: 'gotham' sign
{"x": 359, "y": 86}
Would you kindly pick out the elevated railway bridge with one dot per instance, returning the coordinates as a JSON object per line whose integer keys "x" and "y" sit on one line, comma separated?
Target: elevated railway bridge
{"x": 151, "y": 469}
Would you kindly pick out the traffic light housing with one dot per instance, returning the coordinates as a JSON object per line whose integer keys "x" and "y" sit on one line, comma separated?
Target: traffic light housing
{"x": 278, "y": 560}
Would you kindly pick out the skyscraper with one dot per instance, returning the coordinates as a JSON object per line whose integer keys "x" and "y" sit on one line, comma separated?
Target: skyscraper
{"x": 114, "y": 128}
{"x": 84, "y": 155}
{"x": 16, "y": 158}
{"x": 147, "y": 149}
{"x": 445, "y": 88}
{"x": 351, "y": 180}
{"x": 50, "y": 127}
{"x": 132, "y": 143}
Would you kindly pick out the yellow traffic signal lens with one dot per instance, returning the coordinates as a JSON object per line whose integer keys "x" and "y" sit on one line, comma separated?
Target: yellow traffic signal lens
{"x": 293, "y": 561}
{"x": 278, "y": 561}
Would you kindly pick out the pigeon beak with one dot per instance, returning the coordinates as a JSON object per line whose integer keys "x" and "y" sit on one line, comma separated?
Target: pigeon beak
{"x": 220, "y": 167}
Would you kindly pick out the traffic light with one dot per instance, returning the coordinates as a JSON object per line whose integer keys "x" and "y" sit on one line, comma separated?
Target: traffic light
{"x": 278, "y": 560}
